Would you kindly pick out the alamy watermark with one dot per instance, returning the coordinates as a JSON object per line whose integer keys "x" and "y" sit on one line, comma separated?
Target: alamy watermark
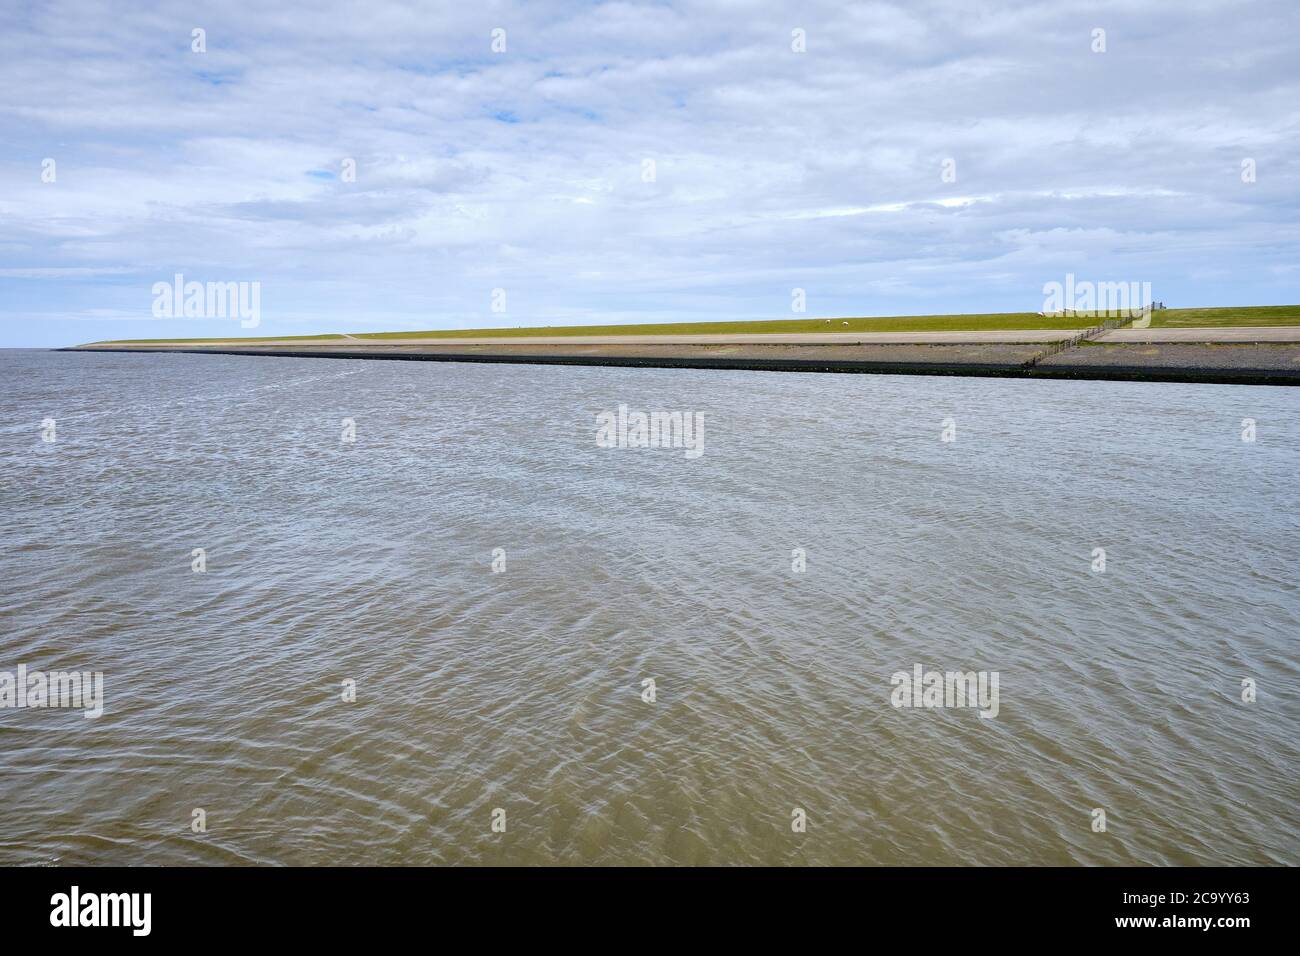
{"x": 930, "y": 688}
{"x": 624, "y": 429}
{"x": 179, "y": 299}
{"x": 75, "y": 908}
{"x": 38, "y": 689}
{"x": 1118, "y": 299}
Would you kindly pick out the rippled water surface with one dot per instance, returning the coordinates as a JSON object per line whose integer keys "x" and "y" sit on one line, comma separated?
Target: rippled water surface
{"x": 372, "y": 562}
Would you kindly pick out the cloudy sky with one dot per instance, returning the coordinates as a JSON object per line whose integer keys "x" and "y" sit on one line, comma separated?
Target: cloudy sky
{"x": 526, "y": 170}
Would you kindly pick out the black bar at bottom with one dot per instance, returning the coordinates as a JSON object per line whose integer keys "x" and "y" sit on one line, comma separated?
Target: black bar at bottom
{"x": 945, "y": 906}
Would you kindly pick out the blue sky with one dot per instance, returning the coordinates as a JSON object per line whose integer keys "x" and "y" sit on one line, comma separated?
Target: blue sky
{"x": 523, "y": 170}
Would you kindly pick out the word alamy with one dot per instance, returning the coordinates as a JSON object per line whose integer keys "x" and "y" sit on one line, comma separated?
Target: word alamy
{"x": 923, "y": 688}
{"x": 1121, "y": 299}
{"x": 208, "y": 300}
{"x": 34, "y": 689}
{"x": 103, "y": 909}
{"x": 624, "y": 429}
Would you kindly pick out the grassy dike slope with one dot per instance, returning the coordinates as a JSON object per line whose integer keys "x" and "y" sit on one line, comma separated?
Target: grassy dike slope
{"x": 1255, "y": 316}
{"x": 999, "y": 321}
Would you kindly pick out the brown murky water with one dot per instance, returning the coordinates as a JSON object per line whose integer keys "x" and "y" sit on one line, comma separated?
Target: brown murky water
{"x": 329, "y": 562}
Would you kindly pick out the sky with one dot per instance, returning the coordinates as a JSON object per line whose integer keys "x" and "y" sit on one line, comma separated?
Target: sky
{"x": 630, "y": 162}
